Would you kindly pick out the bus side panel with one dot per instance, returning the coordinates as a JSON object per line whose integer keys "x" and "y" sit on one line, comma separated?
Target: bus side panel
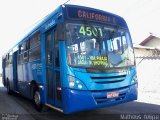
{"x": 20, "y": 78}
{"x": 10, "y": 76}
{"x": 30, "y": 74}
{"x": 24, "y": 76}
{"x": 34, "y": 71}
{"x": 3, "y": 71}
{"x": 6, "y": 74}
{"x": 15, "y": 71}
{"x": 31, "y": 71}
{"x": 26, "y": 79}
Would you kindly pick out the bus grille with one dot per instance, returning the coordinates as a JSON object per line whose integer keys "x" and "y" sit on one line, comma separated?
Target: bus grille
{"x": 108, "y": 79}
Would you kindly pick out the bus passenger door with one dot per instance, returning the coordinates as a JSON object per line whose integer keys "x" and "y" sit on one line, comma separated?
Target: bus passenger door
{"x": 53, "y": 86}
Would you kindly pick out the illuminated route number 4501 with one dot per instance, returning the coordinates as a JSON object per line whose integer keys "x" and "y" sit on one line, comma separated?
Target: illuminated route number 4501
{"x": 91, "y": 31}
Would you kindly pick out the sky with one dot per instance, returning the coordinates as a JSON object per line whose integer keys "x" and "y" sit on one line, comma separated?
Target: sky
{"x": 18, "y": 16}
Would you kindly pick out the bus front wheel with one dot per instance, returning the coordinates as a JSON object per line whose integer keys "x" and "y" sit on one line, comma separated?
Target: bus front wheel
{"x": 37, "y": 101}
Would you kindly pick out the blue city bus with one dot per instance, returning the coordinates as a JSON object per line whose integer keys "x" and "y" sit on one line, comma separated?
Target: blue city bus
{"x": 77, "y": 58}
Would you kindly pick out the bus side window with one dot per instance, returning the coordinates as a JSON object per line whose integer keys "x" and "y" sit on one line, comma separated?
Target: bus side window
{"x": 10, "y": 57}
{"x": 20, "y": 57}
{"x": 25, "y": 53}
{"x": 7, "y": 60}
{"x": 35, "y": 40}
{"x": 35, "y": 47}
{"x": 49, "y": 49}
{"x": 25, "y": 56}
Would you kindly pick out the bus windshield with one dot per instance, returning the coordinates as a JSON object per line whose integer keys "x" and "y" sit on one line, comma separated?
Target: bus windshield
{"x": 98, "y": 46}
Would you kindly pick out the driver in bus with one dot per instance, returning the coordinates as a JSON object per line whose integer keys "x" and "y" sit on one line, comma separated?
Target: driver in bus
{"x": 94, "y": 51}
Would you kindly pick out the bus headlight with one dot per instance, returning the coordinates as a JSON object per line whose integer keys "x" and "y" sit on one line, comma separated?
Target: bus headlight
{"x": 71, "y": 84}
{"x": 75, "y": 83}
{"x": 79, "y": 86}
{"x": 134, "y": 80}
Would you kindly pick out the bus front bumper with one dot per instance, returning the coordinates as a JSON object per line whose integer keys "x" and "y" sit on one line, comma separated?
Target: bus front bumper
{"x": 76, "y": 100}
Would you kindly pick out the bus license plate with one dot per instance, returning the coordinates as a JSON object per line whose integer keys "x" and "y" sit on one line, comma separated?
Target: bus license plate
{"x": 112, "y": 94}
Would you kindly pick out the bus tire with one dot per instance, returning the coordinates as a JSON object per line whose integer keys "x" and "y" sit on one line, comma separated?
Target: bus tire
{"x": 38, "y": 105}
{"x": 37, "y": 101}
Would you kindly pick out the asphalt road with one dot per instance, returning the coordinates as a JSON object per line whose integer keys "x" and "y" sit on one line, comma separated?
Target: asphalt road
{"x": 18, "y": 107}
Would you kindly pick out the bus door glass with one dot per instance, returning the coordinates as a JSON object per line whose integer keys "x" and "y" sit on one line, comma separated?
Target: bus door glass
{"x": 52, "y": 69}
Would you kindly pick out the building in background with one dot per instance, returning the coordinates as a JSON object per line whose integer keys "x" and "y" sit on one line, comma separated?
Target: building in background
{"x": 148, "y": 48}
{"x": 147, "y": 55}
{"x": 151, "y": 41}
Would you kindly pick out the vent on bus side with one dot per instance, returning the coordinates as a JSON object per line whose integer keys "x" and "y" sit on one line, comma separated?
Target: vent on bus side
{"x": 108, "y": 79}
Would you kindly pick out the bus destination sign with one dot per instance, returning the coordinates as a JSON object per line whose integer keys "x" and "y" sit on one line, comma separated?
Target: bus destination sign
{"x": 88, "y": 14}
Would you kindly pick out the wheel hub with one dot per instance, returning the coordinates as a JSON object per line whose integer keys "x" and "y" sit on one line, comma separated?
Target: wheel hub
{"x": 37, "y": 98}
